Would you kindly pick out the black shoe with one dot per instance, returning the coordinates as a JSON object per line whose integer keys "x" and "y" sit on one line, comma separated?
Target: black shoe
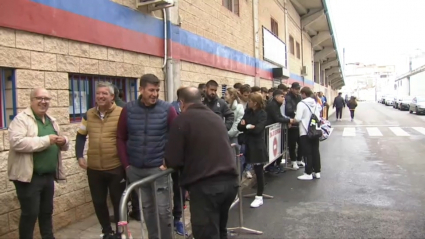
{"x": 110, "y": 235}
{"x": 135, "y": 215}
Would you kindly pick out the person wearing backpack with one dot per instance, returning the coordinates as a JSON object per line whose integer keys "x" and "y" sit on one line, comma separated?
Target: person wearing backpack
{"x": 352, "y": 104}
{"x": 308, "y": 117}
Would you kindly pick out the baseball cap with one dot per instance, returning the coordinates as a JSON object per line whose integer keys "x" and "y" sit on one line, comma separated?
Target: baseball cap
{"x": 296, "y": 85}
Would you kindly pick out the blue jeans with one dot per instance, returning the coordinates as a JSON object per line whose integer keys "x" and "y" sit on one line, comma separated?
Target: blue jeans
{"x": 245, "y": 166}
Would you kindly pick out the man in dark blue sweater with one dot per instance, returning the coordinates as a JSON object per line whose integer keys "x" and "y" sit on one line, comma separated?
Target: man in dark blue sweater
{"x": 141, "y": 137}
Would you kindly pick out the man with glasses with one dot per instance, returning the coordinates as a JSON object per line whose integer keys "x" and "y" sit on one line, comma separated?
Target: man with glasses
{"x": 35, "y": 162}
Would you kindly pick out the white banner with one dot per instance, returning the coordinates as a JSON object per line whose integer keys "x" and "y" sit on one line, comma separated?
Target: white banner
{"x": 274, "y": 49}
{"x": 275, "y": 142}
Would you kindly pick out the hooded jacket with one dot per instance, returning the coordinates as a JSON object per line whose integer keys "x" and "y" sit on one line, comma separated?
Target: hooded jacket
{"x": 304, "y": 110}
{"x": 238, "y": 112}
{"x": 219, "y": 106}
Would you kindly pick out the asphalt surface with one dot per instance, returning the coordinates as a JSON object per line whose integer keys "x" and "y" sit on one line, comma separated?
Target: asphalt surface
{"x": 370, "y": 186}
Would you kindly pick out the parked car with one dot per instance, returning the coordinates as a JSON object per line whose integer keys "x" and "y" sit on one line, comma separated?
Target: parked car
{"x": 382, "y": 100}
{"x": 397, "y": 101}
{"x": 417, "y": 105}
{"x": 404, "y": 104}
{"x": 389, "y": 100}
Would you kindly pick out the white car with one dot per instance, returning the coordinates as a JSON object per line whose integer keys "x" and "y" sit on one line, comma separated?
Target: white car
{"x": 417, "y": 105}
{"x": 389, "y": 100}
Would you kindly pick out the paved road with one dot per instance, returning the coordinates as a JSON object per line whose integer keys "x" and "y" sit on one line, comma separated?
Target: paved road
{"x": 372, "y": 183}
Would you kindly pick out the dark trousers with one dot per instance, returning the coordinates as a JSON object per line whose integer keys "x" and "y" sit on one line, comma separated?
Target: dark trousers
{"x": 100, "y": 182}
{"x": 210, "y": 202}
{"x": 338, "y": 113}
{"x": 178, "y": 198}
{"x": 36, "y": 199}
{"x": 352, "y": 114}
{"x": 259, "y": 173}
{"x": 293, "y": 140}
{"x": 311, "y": 154}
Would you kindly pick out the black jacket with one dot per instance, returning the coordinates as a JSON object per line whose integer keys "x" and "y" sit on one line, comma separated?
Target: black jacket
{"x": 198, "y": 143}
{"x": 291, "y": 102}
{"x": 273, "y": 113}
{"x": 255, "y": 143}
{"x": 352, "y": 104}
{"x": 220, "y": 107}
{"x": 339, "y": 102}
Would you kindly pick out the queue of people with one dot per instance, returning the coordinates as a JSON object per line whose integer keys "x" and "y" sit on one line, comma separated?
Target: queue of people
{"x": 134, "y": 140}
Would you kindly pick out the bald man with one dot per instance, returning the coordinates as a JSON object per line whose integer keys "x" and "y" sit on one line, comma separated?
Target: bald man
{"x": 199, "y": 145}
{"x": 35, "y": 162}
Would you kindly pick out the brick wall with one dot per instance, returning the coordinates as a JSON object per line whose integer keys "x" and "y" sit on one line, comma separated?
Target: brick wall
{"x": 212, "y": 20}
{"x": 43, "y": 61}
{"x": 266, "y": 11}
{"x": 193, "y": 74}
{"x": 308, "y": 58}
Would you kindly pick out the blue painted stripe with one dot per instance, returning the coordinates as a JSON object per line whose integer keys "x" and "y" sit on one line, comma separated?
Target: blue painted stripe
{"x": 119, "y": 15}
{"x": 110, "y": 12}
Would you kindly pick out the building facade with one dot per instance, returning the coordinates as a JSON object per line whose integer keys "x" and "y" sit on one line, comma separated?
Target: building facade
{"x": 411, "y": 83}
{"x": 369, "y": 82}
{"x": 68, "y": 46}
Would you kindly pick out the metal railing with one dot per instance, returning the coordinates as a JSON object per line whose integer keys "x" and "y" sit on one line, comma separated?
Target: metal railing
{"x": 123, "y": 214}
{"x": 123, "y": 223}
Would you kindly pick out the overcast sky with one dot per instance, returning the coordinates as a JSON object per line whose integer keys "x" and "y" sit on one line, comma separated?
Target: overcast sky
{"x": 378, "y": 31}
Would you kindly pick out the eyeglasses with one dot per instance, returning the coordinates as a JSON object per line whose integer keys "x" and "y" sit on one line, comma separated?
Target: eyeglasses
{"x": 40, "y": 99}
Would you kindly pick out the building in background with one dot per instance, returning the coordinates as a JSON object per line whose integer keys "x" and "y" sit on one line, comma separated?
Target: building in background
{"x": 369, "y": 82}
{"x": 412, "y": 81}
{"x": 67, "y": 46}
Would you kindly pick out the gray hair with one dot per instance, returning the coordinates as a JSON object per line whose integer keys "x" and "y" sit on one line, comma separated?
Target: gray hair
{"x": 35, "y": 90}
{"x": 110, "y": 86}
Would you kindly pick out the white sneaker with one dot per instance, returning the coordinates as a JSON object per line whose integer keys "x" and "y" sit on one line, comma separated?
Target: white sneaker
{"x": 301, "y": 164}
{"x": 248, "y": 175}
{"x": 258, "y": 201}
{"x": 316, "y": 175}
{"x": 306, "y": 177}
{"x": 295, "y": 165}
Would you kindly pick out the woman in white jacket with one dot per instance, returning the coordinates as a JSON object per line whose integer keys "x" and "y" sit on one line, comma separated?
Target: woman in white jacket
{"x": 231, "y": 98}
{"x": 310, "y": 147}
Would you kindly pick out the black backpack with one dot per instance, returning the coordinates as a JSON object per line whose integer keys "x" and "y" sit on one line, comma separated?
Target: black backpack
{"x": 313, "y": 130}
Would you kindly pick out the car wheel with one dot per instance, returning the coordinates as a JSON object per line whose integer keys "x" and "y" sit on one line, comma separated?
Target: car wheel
{"x": 410, "y": 111}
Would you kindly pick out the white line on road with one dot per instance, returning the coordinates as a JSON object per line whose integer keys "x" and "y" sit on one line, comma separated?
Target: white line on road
{"x": 349, "y": 131}
{"x": 419, "y": 129}
{"x": 398, "y": 131}
{"x": 336, "y": 125}
{"x": 373, "y": 131}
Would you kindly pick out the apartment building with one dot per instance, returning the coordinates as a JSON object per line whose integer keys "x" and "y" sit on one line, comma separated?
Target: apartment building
{"x": 68, "y": 46}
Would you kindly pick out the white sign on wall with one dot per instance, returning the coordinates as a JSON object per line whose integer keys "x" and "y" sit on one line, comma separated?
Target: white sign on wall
{"x": 274, "y": 49}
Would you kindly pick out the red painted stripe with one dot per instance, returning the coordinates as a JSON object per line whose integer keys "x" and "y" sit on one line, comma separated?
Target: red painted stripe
{"x": 33, "y": 17}
{"x": 193, "y": 55}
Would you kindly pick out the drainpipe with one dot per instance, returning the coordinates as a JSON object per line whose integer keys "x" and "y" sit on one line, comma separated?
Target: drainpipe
{"x": 286, "y": 36}
{"x": 256, "y": 41}
{"x": 302, "y": 52}
{"x": 167, "y": 67}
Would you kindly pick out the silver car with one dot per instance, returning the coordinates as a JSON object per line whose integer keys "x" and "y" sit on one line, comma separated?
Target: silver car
{"x": 404, "y": 103}
{"x": 417, "y": 105}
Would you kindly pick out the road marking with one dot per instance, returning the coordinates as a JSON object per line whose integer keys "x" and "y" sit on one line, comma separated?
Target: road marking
{"x": 373, "y": 131}
{"x": 349, "y": 131}
{"x": 398, "y": 131}
{"x": 419, "y": 129}
{"x": 336, "y": 126}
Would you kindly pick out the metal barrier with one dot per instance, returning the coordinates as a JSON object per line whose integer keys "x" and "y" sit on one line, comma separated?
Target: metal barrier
{"x": 240, "y": 228}
{"x": 277, "y": 146}
{"x": 123, "y": 223}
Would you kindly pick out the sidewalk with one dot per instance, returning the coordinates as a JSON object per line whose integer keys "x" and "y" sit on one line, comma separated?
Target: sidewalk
{"x": 89, "y": 228}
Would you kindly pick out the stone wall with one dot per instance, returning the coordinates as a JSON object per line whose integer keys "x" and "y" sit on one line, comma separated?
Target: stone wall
{"x": 44, "y": 61}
